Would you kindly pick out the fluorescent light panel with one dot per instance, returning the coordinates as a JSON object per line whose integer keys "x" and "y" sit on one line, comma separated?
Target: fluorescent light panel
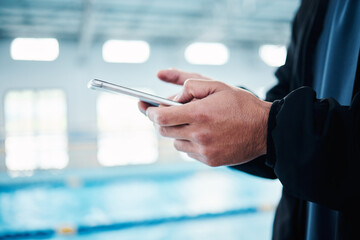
{"x": 34, "y": 49}
{"x": 207, "y": 53}
{"x": 121, "y": 51}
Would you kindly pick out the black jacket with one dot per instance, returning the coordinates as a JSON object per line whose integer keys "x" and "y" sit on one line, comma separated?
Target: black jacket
{"x": 313, "y": 144}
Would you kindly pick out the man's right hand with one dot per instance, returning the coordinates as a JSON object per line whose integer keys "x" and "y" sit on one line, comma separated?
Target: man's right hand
{"x": 224, "y": 126}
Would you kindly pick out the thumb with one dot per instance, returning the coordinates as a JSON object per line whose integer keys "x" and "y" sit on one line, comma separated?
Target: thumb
{"x": 198, "y": 89}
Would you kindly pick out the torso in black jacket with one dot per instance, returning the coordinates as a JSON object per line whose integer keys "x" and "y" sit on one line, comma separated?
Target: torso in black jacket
{"x": 313, "y": 145}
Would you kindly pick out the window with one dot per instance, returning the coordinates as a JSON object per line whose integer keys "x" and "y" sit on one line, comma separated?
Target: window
{"x": 34, "y": 49}
{"x": 125, "y": 135}
{"x": 120, "y": 51}
{"x": 273, "y": 55}
{"x": 35, "y": 130}
{"x": 207, "y": 53}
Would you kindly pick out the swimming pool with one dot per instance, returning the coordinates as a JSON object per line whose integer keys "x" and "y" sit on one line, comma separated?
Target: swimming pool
{"x": 184, "y": 201}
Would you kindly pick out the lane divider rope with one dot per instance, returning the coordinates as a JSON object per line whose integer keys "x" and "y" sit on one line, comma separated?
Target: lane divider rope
{"x": 89, "y": 229}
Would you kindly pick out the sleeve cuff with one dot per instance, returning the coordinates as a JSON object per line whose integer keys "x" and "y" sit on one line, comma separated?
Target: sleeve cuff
{"x": 271, "y": 153}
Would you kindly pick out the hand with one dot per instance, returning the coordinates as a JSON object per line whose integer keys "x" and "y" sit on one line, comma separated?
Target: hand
{"x": 173, "y": 76}
{"x": 225, "y": 126}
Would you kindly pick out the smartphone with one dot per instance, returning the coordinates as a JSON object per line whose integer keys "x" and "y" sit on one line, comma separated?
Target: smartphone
{"x": 146, "y": 97}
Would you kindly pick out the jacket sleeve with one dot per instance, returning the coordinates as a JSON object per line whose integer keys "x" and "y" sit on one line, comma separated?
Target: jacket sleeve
{"x": 289, "y": 74}
{"x": 314, "y": 148}
{"x": 256, "y": 167}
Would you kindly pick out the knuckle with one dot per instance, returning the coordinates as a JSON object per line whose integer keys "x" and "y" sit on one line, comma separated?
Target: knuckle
{"x": 163, "y": 131}
{"x": 206, "y": 152}
{"x": 161, "y": 119}
{"x": 213, "y": 164}
{"x": 210, "y": 163}
{"x": 209, "y": 155}
{"x": 202, "y": 137}
{"x": 200, "y": 115}
{"x": 188, "y": 83}
{"x": 173, "y": 75}
{"x": 177, "y": 145}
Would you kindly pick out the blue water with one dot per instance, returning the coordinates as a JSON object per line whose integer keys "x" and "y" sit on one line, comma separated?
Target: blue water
{"x": 89, "y": 202}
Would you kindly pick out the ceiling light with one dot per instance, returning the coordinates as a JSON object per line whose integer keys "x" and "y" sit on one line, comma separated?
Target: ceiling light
{"x": 207, "y": 53}
{"x": 120, "y": 51}
{"x": 34, "y": 49}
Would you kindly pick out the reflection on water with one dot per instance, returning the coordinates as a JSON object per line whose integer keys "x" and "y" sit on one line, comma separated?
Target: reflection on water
{"x": 140, "y": 198}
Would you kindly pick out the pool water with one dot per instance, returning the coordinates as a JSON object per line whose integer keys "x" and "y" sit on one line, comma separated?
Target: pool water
{"x": 172, "y": 202}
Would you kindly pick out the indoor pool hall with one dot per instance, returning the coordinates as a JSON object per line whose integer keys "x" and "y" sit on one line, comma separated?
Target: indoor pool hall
{"x": 80, "y": 162}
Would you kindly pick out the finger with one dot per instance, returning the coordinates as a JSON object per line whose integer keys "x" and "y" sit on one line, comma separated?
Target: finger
{"x": 170, "y": 116}
{"x": 185, "y": 146}
{"x": 178, "y": 132}
{"x": 198, "y": 89}
{"x": 143, "y": 106}
{"x": 172, "y": 97}
{"x": 178, "y": 77}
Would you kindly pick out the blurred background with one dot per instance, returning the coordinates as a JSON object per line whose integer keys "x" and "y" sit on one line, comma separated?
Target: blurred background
{"x": 80, "y": 164}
